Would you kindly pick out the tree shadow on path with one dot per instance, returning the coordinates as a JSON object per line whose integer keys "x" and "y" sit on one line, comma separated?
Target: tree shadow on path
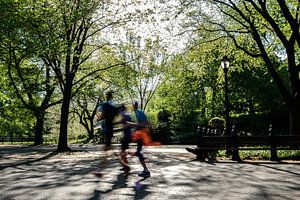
{"x": 121, "y": 182}
{"x": 28, "y": 162}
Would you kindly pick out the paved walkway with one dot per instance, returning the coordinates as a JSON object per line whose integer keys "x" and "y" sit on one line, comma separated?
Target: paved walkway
{"x": 37, "y": 173}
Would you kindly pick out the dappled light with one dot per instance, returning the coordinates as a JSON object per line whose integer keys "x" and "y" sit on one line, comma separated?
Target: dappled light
{"x": 37, "y": 173}
{"x": 203, "y": 93}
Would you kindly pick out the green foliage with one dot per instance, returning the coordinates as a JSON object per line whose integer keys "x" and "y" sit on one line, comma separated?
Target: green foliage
{"x": 265, "y": 154}
{"x": 31, "y": 84}
{"x": 253, "y": 89}
{"x": 162, "y": 131}
{"x": 16, "y": 121}
{"x": 217, "y": 122}
{"x": 39, "y": 51}
{"x": 164, "y": 116}
{"x": 141, "y": 73}
{"x": 259, "y": 123}
{"x": 179, "y": 94}
{"x": 152, "y": 117}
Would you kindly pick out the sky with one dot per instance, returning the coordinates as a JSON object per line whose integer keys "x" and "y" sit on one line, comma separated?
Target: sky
{"x": 163, "y": 21}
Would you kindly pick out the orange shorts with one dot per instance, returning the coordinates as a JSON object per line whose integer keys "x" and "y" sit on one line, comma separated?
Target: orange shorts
{"x": 144, "y": 136}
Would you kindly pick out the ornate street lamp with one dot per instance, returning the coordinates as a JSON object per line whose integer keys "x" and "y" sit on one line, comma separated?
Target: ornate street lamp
{"x": 225, "y": 66}
{"x": 235, "y": 154}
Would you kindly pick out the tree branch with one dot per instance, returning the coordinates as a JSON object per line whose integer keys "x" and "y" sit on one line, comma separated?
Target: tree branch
{"x": 293, "y": 22}
{"x": 100, "y": 69}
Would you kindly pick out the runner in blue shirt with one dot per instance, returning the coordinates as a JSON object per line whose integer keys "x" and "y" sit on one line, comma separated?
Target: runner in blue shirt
{"x": 141, "y": 127}
{"x": 108, "y": 113}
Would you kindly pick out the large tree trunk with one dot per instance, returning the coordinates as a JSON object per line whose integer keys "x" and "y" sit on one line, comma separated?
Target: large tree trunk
{"x": 91, "y": 134}
{"x": 91, "y": 130}
{"x": 295, "y": 116}
{"x": 39, "y": 129}
{"x": 63, "y": 134}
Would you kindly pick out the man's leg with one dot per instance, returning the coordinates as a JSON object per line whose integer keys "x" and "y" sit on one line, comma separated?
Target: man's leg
{"x": 107, "y": 146}
{"x": 138, "y": 153}
{"x": 123, "y": 154}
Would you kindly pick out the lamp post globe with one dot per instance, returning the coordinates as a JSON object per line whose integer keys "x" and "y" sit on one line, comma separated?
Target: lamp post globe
{"x": 225, "y": 63}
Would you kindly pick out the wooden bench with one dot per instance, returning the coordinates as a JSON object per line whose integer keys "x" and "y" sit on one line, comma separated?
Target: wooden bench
{"x": 235, "y": 142}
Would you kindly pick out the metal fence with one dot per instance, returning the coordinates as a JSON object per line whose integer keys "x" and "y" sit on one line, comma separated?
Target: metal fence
{"x": 15, "y": 140}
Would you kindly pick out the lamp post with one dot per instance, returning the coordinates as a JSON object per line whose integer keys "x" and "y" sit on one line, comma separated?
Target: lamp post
{"x": 225, "y": 66}
{"x": 234, "y": 152}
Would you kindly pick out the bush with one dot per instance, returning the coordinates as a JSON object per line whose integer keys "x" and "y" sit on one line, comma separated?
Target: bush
{"x": 216, "y": 122}
{"x": 162, "y": 132}
{"x": 259, "y": 124}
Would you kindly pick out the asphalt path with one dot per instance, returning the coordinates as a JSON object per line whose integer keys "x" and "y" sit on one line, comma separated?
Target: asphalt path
{"x": 40, "y": 173}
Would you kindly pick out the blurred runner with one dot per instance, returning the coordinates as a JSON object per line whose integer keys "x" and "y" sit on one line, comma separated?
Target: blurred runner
{"x": 125, "y": 117}
{"x": 108, "y": 111}
{"x": 142, "y": 137}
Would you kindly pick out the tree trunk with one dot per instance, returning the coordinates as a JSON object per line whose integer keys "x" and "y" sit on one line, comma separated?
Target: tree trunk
{"x": 91, "y": 134}
{"x": 63, "y": 134}
{"x": 39, "y": 129}
{"x": 91, "y": 130}
{"x": 295, "y": 116}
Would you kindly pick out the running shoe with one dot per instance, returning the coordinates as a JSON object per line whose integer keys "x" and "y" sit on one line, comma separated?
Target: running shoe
{"x": 144, "y": 174}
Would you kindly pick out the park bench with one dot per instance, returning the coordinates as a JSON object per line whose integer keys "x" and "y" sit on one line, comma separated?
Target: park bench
{"x": 212, "y": 140}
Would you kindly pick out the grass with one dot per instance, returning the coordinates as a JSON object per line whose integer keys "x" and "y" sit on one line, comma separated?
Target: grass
{"x": 265, "y": 154}
{"x": 17, "y": 143}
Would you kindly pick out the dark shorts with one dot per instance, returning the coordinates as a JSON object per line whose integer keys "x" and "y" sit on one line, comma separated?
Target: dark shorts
{"x": 125, "y": 141}
{"x": 139, "y": 148}
{"x": 108, "y": 135}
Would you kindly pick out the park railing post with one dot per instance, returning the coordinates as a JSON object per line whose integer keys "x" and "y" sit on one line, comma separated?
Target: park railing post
{"x": 274, "y": 156}
{"x": 235, "y": 145}
{"x": 201, "y": 143}
{"x": 199, "y": 133}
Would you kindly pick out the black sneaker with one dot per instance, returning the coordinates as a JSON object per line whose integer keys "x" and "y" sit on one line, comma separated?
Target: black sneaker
{"x": 125, "y": 168}
{"x": 144, "y": 174}
{"x": 98, "y": 174}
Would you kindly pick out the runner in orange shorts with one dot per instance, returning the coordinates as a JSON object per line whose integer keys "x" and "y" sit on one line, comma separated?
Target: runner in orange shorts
{"x": 142, "y": 137}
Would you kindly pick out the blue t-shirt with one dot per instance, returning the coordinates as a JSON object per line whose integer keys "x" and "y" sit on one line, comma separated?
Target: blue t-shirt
{"x": 110, "y": 112}
{"x": 140, "y": 116}
{"x": 105, "y": 105}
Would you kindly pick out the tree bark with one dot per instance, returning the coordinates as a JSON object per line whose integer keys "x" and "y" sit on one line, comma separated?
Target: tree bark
{"x": 91, "y": 130}
{"x": 39, "y": 129}
{"x": 295, "y": 116}
{"x": 91, "y": 134}
{"x": 63, "y": 134}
